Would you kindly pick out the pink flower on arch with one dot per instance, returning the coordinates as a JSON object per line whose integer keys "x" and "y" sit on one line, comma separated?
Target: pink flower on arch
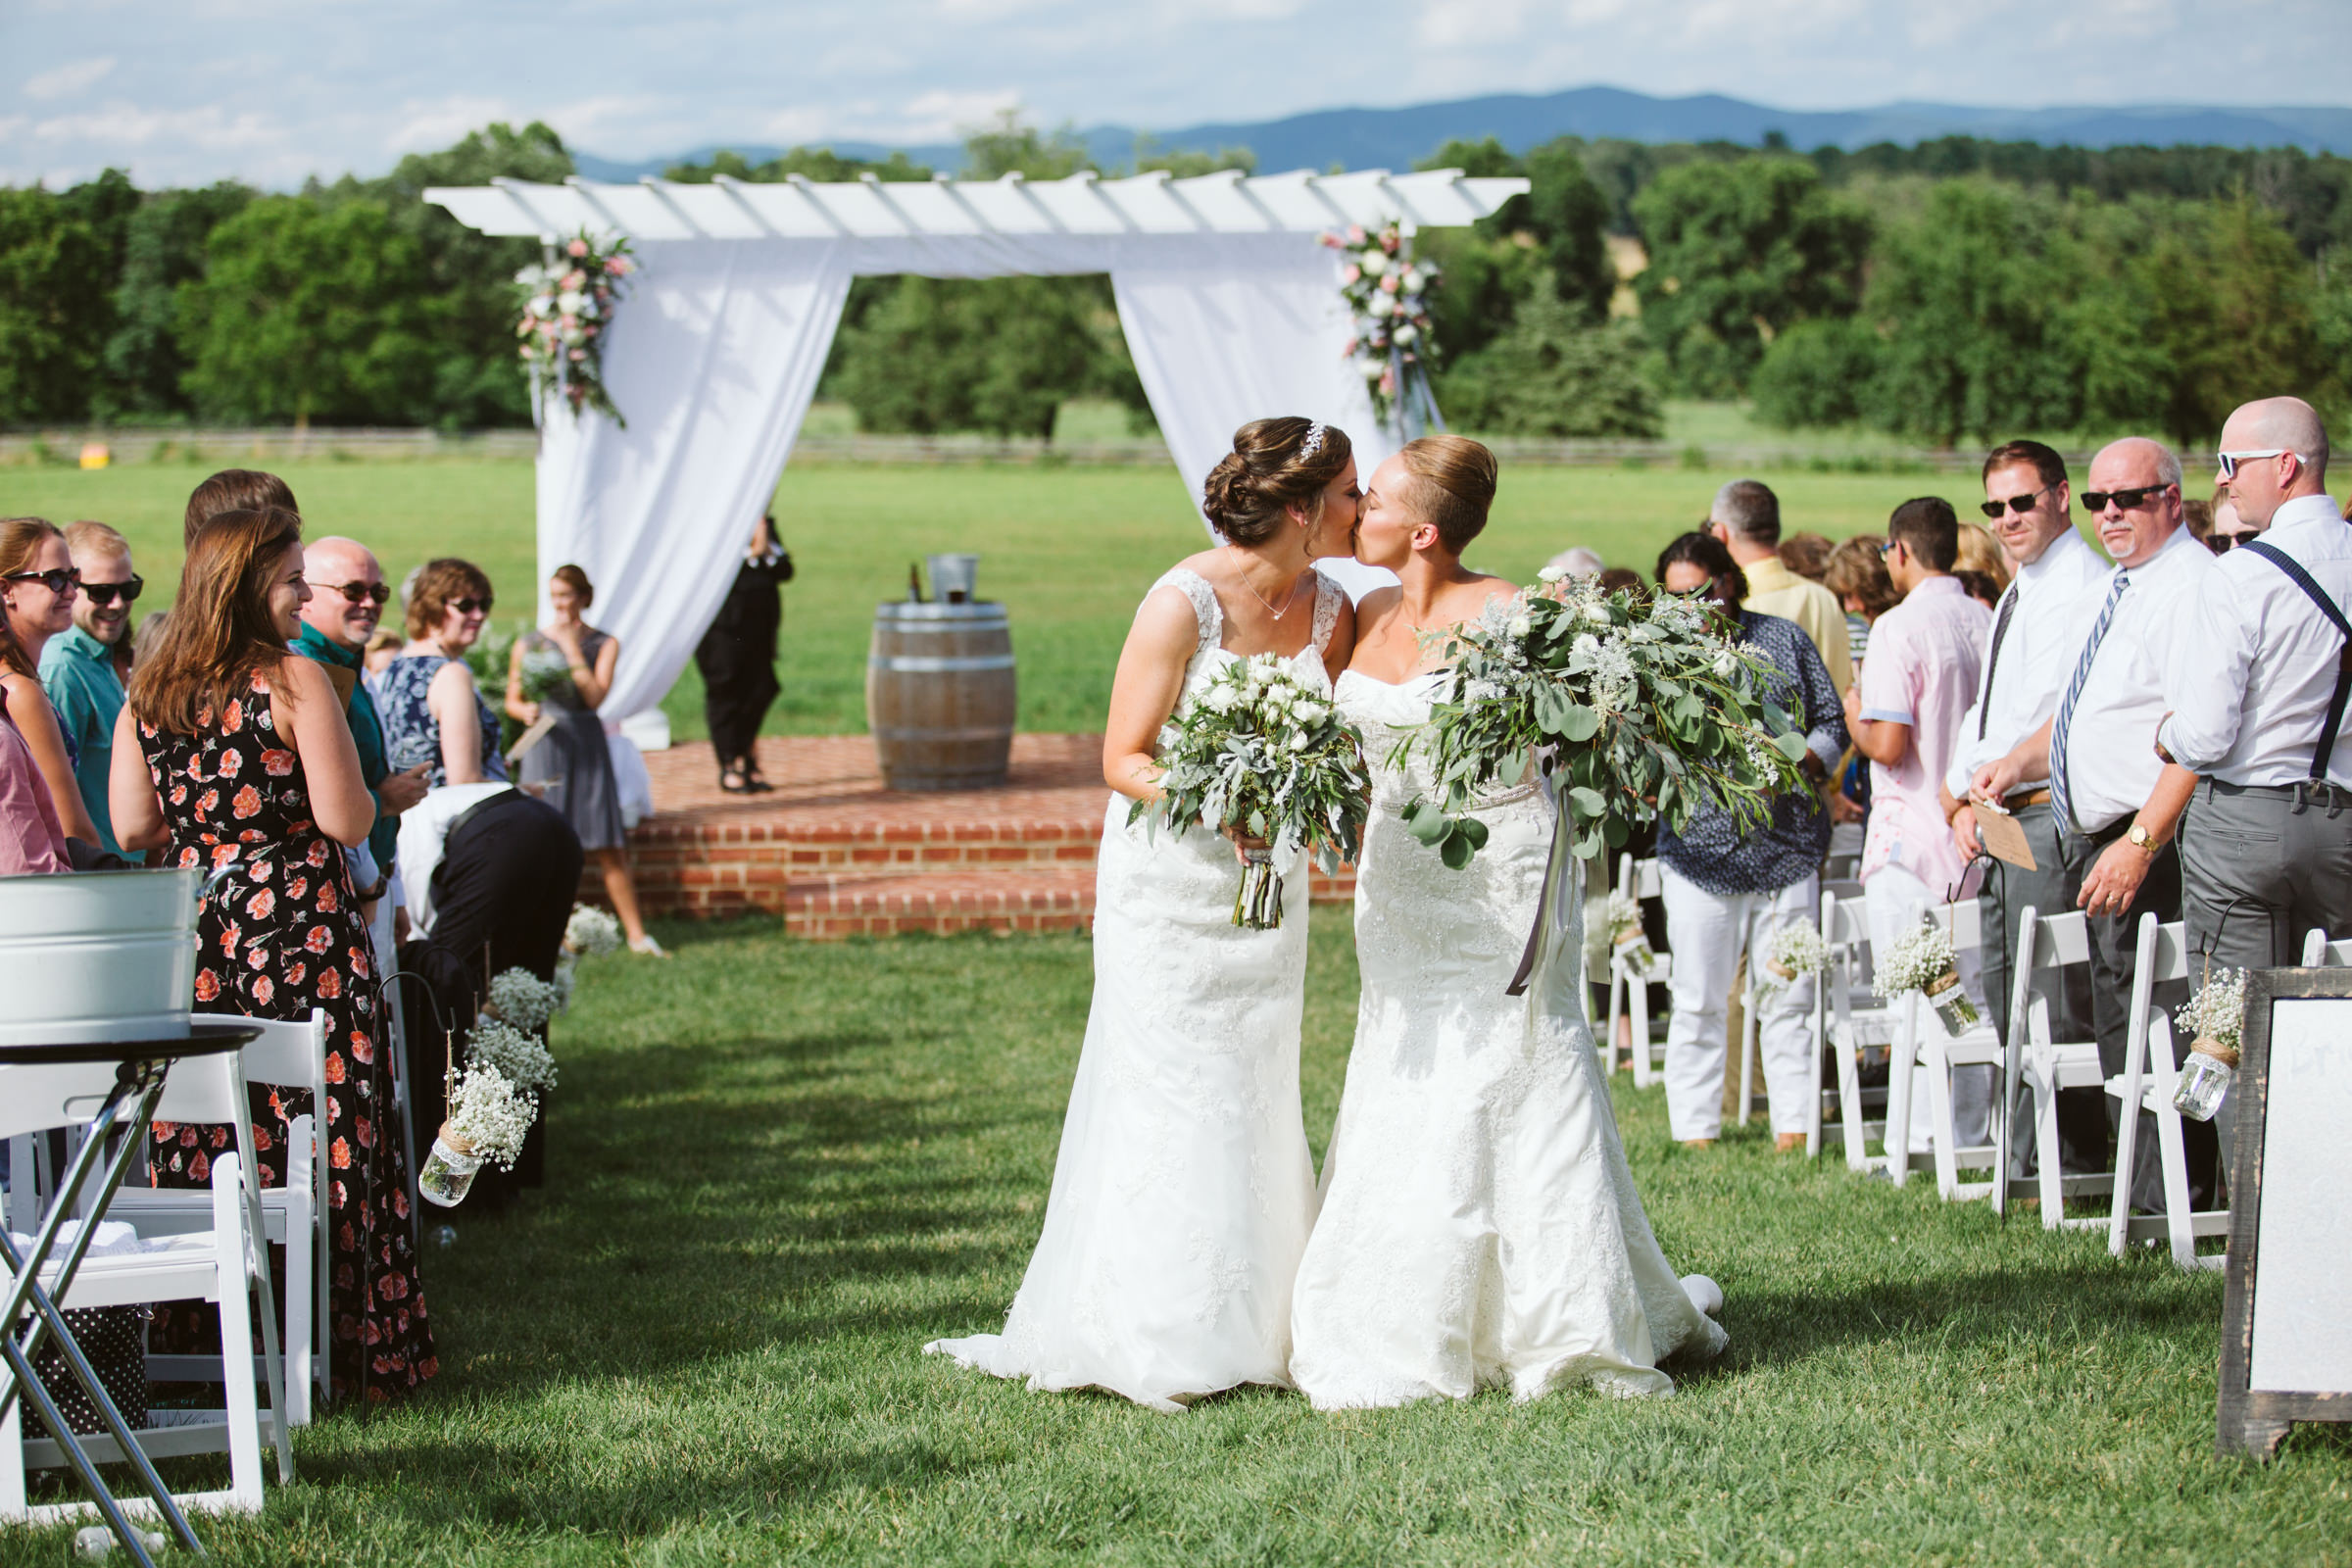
{"x": 578, "y": 247}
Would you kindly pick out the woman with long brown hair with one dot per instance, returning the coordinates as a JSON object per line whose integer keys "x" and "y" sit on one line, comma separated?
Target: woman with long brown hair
{"x": 233, "y": 751}
{"x": 38, "y": 588}
{"x": 32, "y": 841}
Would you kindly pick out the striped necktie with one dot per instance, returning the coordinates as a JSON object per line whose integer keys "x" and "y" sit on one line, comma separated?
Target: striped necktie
{"x": 2063, "y": 800}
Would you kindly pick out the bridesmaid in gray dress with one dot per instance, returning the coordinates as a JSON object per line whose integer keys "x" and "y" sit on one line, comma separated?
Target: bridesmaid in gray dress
{"x": 565, "y": 669}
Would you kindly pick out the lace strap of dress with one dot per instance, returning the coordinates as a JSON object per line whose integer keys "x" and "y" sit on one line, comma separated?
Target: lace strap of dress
{"x": 1210, "y": 618}
{"x": 1329, "y": 596}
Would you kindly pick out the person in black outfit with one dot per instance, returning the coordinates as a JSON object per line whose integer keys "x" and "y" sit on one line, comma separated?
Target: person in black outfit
{"x": 509, "y": 869}
{"x": 737, "y": 657}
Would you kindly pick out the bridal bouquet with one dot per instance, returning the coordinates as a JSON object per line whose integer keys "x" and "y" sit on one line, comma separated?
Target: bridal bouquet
{"x": 1626, "y": 939}
{"x": 1639, "y": 706}
{"x": 1265, "y": 756}
{"x": 566, "y": 308}
{"x": 1922, "y": 959}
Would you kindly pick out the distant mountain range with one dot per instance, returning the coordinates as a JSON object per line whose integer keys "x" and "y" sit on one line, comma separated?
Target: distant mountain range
{"x": 1397, "y": 138}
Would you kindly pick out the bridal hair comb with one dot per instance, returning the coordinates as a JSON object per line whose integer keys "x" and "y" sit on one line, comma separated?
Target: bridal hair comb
{"x": 1314, "y": 442}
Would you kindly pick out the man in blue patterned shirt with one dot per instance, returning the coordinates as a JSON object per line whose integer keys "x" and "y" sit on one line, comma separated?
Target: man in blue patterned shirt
{"x": 1728, "y": 891}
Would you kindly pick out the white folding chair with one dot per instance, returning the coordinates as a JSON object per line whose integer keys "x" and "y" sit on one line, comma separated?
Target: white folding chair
{"x": 2321, "y": 953}
{"x": 223, "y": 1264}
{"x": 287, "y": 1055}
{"x": 1923, "y": 1048}
{"x": 1847, "y": 1020}
{"x": 2146, "y": 1083}
{"x": 2047, "y": 1066}
{"x": 1630, "y": 983}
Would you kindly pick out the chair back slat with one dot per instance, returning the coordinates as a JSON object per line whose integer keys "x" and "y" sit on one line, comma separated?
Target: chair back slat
{"x": 61, "y": 1094}
{"x": 1964, "y": 920}
{"x": 286, "y": 1055}
{"x": 1645, "y": 879}
{"x": 205, "y": 1088}
{"x": 2060, "y": 940}
{"x": 2170, "y": 959}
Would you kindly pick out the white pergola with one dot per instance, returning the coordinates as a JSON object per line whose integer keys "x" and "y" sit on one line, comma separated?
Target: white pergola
{"x": 1228, "y": 299}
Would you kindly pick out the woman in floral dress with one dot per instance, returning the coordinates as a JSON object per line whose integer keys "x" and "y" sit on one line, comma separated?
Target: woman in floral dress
{"x": 232, "y": 752}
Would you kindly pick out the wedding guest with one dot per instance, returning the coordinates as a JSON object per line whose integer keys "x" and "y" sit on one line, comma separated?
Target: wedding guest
{"x": 348, "y": 595}
{"x": 2118, "y": 803}
{"x": 149, "y": 635}
{"x": 2259, "y": 681}
{"x": 83, "y": 667}
{"x": 1805, "y": 554}
{"x": 2230, "y": 525}
{"x": 1983, "y": 553}
{"x": 433, "y": 712}
{"x": 1617, "y": 579}
{"x": 1746, "y": 518}
{"x": 233, "y": 490}
{"x": 232, "y": 753}
{"x": 570, "y": 665}
{"x": 1728, "y": 891}
{"x": 38, "y": 587}
{"x": 2026, "y": 662}
{"x": 1857, "y": 573}
{"x": 1578, "y": 560}
{"x": 1980, "y": 586}
{"x": 1904, "y": 714}
{"x": 33, "y": 841}
{"x": 737, "y": 658}
{"x": 383, "y": 648}
{"x": 2197, "y": 518}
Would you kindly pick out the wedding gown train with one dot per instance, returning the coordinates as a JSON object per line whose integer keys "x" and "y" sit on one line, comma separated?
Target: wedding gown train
{"x": 1479, "y": 1226}
{"x": 1184, "y": 1188}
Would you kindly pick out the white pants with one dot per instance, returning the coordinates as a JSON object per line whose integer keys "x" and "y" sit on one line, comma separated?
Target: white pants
{"x": 1897, "y": 902}
{"x": 1706, "y": 932}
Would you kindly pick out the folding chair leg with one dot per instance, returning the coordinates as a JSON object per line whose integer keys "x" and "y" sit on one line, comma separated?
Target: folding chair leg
{"x": 1944, "y": 1129}
{"x": 1616, "y": 1010}
{"x": 1897, "y": 1138}
{"x": 2045, "y": 1139}
{"x": 1747, "y": 1056}
{"x": 1637, "y": 1002}
{"x": 237, "y": 1330}
{"x": 2177, "y": 1229}
{"x": 1849, "y": 1109}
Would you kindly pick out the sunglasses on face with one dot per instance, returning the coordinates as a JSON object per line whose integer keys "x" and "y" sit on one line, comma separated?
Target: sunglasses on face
{"x": 360, "y": 592}
{"x": 59, "y": 580}
{"x": 102, "y": 594}
{"x": 2223, "y": 543}
{"x": 2021, "y": 505}
{"x": 2126, "y": 500}
{"x": 2229, "y": 461}
{"x": 471, "y": 606}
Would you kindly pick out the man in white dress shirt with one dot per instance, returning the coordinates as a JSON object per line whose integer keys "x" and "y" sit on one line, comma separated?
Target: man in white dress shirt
{"x": 2259, "y": 684}
{"x": 2029, "y": 655}
{"x": 2116, "y": 801}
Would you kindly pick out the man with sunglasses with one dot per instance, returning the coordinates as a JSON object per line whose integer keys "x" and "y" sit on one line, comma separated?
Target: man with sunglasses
{"x": 2026, "y": 657}
{"x": 2261, "y": 680}
{"x": 348, "y": 594}
{"x": 84, "y": 666}
{"x": 2116, "y": 801}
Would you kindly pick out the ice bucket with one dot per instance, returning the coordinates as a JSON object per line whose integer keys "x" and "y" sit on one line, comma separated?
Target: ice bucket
{"x": 955, "y": 579}
{"x": 97, "y": 955}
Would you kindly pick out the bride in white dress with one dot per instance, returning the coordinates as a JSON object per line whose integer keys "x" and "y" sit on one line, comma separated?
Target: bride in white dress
{"x": 1479, "y": 1224}
{"x": 1184, "y": 1190}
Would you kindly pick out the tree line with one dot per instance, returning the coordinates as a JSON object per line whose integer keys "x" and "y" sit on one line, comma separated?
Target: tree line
{"x": 1952, "y": 291}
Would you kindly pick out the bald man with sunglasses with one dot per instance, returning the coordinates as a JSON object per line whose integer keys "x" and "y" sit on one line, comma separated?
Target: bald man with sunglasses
{"x": 348, "y": 595}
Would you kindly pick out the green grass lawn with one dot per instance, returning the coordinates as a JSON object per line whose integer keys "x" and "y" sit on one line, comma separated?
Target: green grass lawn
{"x": 1068, "y": 550}
{"x": 778, "y": 1168}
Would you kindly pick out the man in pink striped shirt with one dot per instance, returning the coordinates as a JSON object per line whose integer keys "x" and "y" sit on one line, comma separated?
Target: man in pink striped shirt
{"x": 1904, "y": 715}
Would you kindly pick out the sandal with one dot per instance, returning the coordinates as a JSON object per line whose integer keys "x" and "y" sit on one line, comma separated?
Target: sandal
{"x": 734, "y": 781}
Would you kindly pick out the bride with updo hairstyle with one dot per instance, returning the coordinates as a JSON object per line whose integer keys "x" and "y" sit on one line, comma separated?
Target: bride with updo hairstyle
{"x": 1479, "y": 1224}
{"x": 1184, "y": 1190}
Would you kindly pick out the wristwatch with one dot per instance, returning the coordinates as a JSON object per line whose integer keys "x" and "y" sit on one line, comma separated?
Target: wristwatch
{"x": 2141, "y": 838}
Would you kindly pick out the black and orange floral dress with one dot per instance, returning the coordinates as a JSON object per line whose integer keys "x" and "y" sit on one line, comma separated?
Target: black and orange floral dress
{"x": 281, "y": 936}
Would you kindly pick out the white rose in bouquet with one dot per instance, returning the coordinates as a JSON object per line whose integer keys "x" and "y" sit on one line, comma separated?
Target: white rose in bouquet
{"x": 1373, "y": 261}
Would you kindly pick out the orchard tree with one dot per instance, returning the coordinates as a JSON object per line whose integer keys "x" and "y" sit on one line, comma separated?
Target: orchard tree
{"x": 54, "y": 309}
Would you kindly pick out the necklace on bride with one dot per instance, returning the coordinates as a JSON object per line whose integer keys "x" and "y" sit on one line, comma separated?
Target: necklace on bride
{"x": 1288, "y": 600}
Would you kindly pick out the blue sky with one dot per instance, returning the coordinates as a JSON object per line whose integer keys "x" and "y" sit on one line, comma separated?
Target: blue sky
{"x": 271, "y": 91}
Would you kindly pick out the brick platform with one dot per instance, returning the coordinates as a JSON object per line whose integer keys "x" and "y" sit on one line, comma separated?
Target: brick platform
{"x": 838, "y": 854}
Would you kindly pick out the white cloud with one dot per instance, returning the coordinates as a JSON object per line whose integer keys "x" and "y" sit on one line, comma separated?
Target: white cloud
{"x": 944, "y": 115}
{"x": 66, "y": 80}
{"x": 431, "y": 126}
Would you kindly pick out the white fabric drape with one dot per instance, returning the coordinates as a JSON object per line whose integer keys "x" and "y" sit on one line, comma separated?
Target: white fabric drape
{"x": 715, "y": 355}
{"x": 1238, "y": 327}
{"x": 713, "y": 358}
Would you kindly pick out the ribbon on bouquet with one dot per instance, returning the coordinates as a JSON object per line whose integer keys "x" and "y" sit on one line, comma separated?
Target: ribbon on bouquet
{"x": 1558, "y": 866}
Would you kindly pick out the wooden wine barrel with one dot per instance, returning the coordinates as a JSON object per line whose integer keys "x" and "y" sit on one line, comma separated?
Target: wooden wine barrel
{"x": 938, "y": 695}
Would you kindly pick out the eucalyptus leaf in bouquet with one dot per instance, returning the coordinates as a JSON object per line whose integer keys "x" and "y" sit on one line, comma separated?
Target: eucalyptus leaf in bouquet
{"x": 1263, "y": 754}
{"x": 1638, "y": 708}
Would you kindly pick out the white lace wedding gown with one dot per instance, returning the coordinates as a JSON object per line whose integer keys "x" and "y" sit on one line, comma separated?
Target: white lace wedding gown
{"x": 1479, "y": 1224}
{"x": 1184, "y": 1188}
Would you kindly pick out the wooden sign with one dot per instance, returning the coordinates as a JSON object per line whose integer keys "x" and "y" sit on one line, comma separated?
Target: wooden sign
{"x": 2286, "y": 1321}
